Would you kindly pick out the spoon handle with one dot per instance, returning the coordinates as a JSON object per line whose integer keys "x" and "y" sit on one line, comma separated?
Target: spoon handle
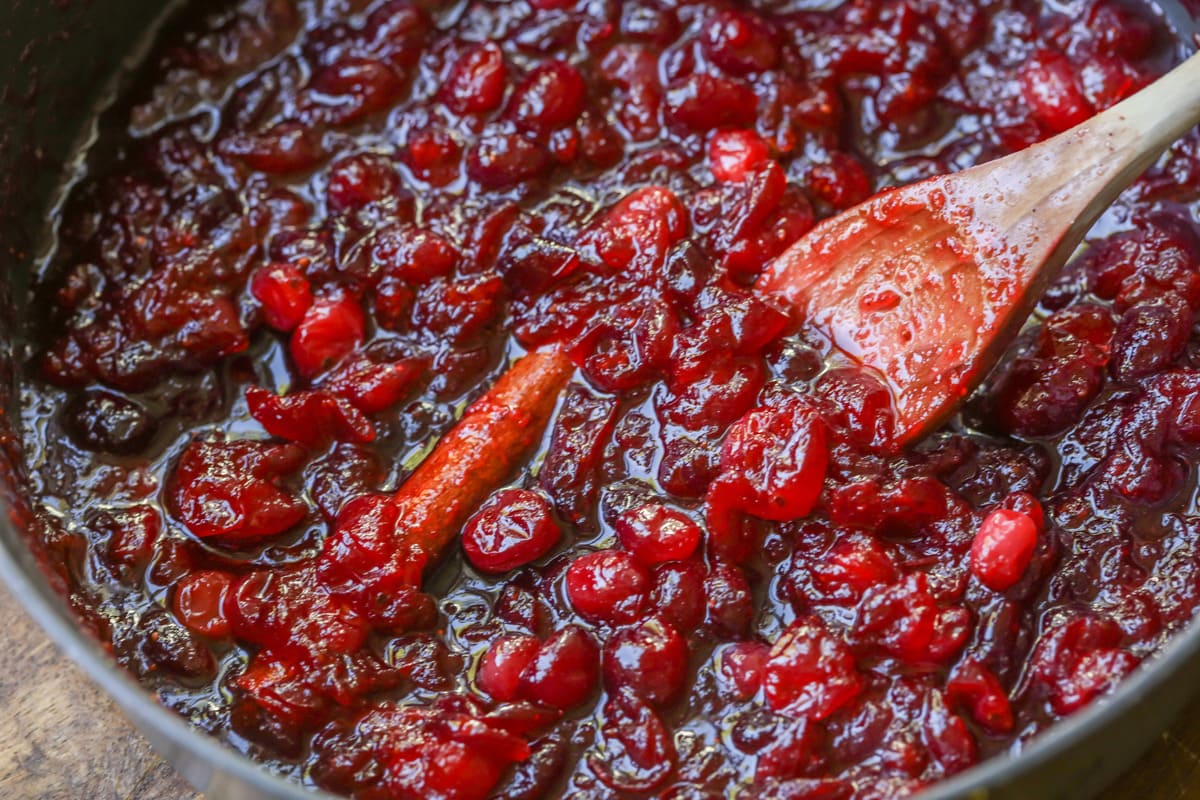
{"x": 1049, "y": 195}
{"x": 1163, "y": 111}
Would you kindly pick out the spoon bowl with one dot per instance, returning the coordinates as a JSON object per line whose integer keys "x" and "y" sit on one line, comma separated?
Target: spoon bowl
{"x": 927, "y": 284}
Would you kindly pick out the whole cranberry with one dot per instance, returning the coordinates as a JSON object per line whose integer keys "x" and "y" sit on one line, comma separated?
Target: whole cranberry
{"x": 199, "y": 601}
{"x": 1003, "y": 548}
{"x": 732, "y": 154}
{"x": 656, "y": 533}
{"x": 740, "y": 42}
{"x": 564, "y": 672}
{"x": 514, "y": 528}
{"x": 608, "y": 586}
{"x": 809, "y": 673}
{"x": 551, "y": 96}
{"x": 476, "y": 82}
{"x": 679, "y": 593}
{"x": 285, "y": 294}
{"x": 331, "y": 329}
{"x": 359, "y": 180}
{"x": 650, "y": 658}
{"x": 499, "y": 672}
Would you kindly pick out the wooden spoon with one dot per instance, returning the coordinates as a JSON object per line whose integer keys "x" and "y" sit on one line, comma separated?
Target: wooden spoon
{"x": 927, "y": 284}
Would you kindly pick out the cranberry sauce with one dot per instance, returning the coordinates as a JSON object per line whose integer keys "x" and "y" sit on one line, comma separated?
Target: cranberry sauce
{"x": 322, "y": 228}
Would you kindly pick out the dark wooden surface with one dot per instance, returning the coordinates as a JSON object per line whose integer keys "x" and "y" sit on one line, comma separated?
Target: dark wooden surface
{"x": 62, "y": 739}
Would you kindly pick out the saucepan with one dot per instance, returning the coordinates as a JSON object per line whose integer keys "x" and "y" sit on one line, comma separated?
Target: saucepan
{"x": 60, "y": 60}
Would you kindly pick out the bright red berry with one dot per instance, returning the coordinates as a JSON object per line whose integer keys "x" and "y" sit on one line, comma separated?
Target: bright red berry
{"x": 285, "y": 294}
{"x": 1003, "y": 548}
{"x": 333, "y": 327}
{"x": 514, "y": 528}
{"x": 732, "y": 154}
{"x": 608, "y": 586}
{"x": 655, "y": 533}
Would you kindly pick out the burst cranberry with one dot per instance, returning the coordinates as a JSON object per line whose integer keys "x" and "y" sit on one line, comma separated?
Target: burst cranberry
{"x": 359, "y": 180}
{"x": 976, "y": 687}
{"x": 499, "y": 672}
{"x": 476, "y": 82}
{"x": 704, "y": 101}
{"x": 514, "y": 528}
{"x": 434, "y": 155}
{"x": 288, "y": 147}
{"x": 285, "y": 294}
{"x": 649, "y": 658}
{"x": 809, "y": 673}
{"x": 657, "y": 533}
{"x": 332, "y": 328}
{"x": 310, "y": 418}
{"x": 199, "y": 601}
{"x": 608, "y": 586}
{"x": 742, "y": 666}
{"x": 565, "y": 671}
{"x": 773, "y": 461}
{"x": 842, "y": 182}
{"x": 730, "y": 604}
{"x": 732, "y": 154}
{"x": 372, "y": 387}
{"x": 1003, "y": 548}
{"x": 1049, "y": 88}
{"x": 231, "y": 490}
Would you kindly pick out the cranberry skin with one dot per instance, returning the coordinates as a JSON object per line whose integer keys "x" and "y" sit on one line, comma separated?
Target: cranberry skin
{"x": 500, "y": 669}
{"x": 773, "y": 462}
{"x": 551, "y": 96}
{"x": 739, "y": 42}
{"x": 285, "y": 294}
{"x": 651, "y": 658}
{"x": 608, "y": 586}
{"x": 514, "y": 528}
{"x": 476, "y": 82}
{"x": 565, "y": 672}
{"x": 1003, "y": 548}
{"x": 331, "y": 329}
{"x": 809, "y": 673}
{"x": 199, "y": 602}
{"x": 656, "y": 533}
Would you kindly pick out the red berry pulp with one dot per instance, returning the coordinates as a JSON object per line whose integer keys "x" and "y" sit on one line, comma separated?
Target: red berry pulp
{"x": 315, "y": 234}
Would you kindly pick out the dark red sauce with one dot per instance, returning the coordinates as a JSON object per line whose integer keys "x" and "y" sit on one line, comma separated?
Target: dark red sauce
{"x": 316, "y": 232}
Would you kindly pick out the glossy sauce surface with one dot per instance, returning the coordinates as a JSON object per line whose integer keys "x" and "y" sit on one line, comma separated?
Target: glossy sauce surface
{"x": 713, "y": 574}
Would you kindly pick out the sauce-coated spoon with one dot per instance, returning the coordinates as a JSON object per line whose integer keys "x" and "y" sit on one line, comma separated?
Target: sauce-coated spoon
{"x": 927, "y": 284}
